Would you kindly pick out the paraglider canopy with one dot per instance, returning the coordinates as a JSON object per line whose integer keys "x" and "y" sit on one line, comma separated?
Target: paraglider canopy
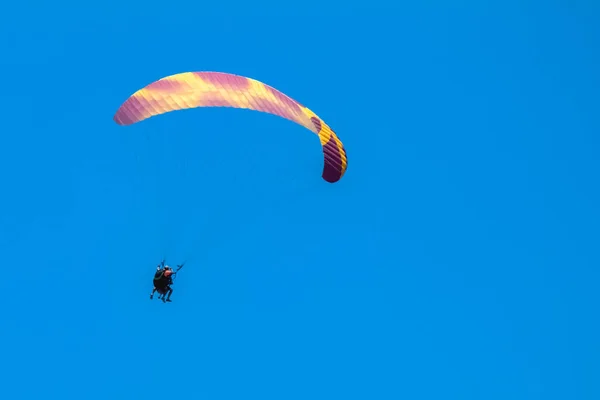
{"x": 217, "y": 89}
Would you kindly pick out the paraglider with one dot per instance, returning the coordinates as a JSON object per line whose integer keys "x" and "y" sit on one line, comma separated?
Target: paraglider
{"x": 217, "y": 89}
{"x": 163, "y": 279}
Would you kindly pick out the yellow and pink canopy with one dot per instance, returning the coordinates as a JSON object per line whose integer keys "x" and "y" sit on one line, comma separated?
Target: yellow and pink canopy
{"x": 217, "y": 89}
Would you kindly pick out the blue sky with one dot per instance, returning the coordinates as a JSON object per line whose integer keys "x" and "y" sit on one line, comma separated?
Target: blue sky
{"x": 457, "y": 258}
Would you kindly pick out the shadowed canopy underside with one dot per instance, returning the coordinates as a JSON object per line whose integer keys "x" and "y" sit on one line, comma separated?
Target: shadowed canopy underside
{"x": 217, "y": 89}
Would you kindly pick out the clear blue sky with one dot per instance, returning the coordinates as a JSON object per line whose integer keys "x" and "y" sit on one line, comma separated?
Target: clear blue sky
{"x": 457, "y": 259}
